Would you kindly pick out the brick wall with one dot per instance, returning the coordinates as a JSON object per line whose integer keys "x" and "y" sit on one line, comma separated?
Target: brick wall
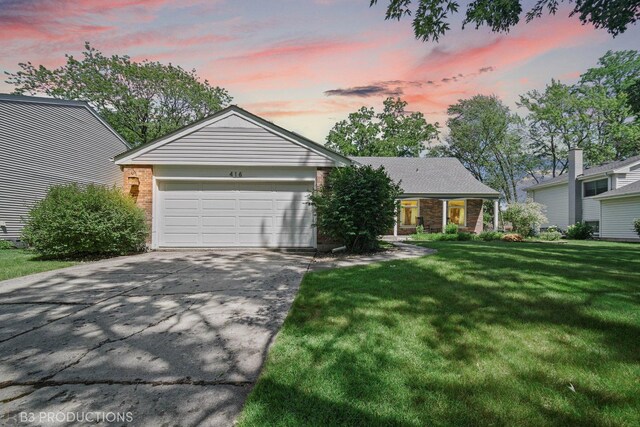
{"x": 141, "y": 189}
{"x": 474, "y": 216}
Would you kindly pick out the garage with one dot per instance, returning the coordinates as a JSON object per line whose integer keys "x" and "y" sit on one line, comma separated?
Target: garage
{"x": 232, "y": 179}
{"x": 235, "y": 214}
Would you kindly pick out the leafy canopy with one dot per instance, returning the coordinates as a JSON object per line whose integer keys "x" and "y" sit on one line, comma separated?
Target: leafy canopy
{"x": 356, "y": 206}
{"x": 394, "y": 132}
{"x": 488, "y": 140}
{"x": 142, "y": 101}
{"x": 431, "y": 17}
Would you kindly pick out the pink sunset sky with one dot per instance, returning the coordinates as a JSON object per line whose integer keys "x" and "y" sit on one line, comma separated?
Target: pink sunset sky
{"x": 307, "y": 64}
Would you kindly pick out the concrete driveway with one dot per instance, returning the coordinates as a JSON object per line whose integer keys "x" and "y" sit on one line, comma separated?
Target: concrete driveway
{"x": 164, "y": 338}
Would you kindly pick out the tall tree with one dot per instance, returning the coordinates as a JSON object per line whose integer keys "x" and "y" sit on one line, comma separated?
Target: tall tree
{"x": 140, "y": 100}
{"x": 557, "y": 122}
{"x": 393, "y": 132}
{"x": 489, "y": 141}
{"x": 431, "y": 17}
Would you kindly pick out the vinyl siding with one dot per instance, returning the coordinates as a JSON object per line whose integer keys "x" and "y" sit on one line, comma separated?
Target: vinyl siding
{"x": 556, "y": 199}
{"x": 618, "y": 216}
{"x": 627, "y": 178}
{"x": 232, "y": 141}
{"x": 590, "y": 209}
{"x": 44, "y": 144}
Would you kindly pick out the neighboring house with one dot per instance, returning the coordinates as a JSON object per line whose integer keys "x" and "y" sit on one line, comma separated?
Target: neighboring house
{"x": 605, "y": 196}
{"x": 47, "y": 141}
{"x": 234, "y": 179}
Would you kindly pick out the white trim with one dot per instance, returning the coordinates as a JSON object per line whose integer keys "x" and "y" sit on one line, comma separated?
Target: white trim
{"x": 155, "y": 206}
{"x": 229, "y": 179}
{"x": 496, "y": 213}
{"x": 194, "y": 128}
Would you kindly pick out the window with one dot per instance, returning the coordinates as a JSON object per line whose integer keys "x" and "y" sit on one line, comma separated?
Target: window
{"x": 593, "y": 188}
{"x": 408, "y": 212}
{"x": 595, "y": 225}
{"x": 457, "y": 212}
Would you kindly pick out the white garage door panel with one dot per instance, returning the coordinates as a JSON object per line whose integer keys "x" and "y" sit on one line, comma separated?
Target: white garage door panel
{"x": 209, "y": 214}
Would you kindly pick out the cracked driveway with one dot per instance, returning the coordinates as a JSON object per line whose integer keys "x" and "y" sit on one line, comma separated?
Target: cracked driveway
{"x": 173, "y": 338}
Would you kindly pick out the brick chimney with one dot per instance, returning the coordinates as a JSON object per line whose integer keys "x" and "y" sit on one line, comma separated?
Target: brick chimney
{"x": 575, "y": 188}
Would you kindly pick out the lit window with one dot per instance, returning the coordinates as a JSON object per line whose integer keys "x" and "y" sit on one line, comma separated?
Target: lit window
{"x": 457, "y": 212}
{"x": 593, "y": 188}
{"x": 408, "y": 212}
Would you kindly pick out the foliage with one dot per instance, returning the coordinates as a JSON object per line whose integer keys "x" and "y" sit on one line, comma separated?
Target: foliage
{"x": 463, "y": 237}
{"x": 431, "y": 18}
{"x": 580, "y": 231}
{"x": 394, "y": 132}
{"x": 636, "y": 225}
{"x": 550, "y": 235}
{"x": 6, "y": 244}
{"x": 488, "y": 139}
{"x": 443, "y": 237}
{"x": 488, "y": 236}
{"x": 451, "y": 228}
{"x": 525, "y": 217}
{"x": 140, "y": 100}
{"x": 420, "y": 342}
{"x": 356, "y": 205}
{"x": 77, "y": 222}
{"x": 512, "y": 237}
{"x": 21, "y": 262}
{"x": 419, "y": 229}
{"x": 633, "y": 97}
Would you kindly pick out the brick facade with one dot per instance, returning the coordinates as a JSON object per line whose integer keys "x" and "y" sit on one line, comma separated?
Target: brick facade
{"x": 138, "y": 183}
{"x": 431, "y": 212}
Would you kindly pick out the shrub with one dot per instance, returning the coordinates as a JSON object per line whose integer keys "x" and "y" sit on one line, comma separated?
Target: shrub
{"x": 464, "y": 236}
{"x": 550, "y": 235}
{"x": 5, "y": 244}
{"x": 636, "y": 225}
{"x": 77, "y": 222}
{"x": 525, "y": 217}
{"x": 580, "y": 231}
{"x": 451, "y": 228}
{"x": 512, "y": 237}
{"x": 420, "y": 229}
{"x": 356, "y": 205}
{"x": 490, "y": 235}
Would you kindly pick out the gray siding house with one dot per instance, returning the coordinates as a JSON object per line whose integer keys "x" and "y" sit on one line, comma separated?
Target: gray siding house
{"x": 605, "y": 196}
{"x": 47, "y": 141}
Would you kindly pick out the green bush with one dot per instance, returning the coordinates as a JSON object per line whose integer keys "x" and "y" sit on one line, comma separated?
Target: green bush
{"x": 490, "y": 235}
{"x": 75, "y": 221}
{"x": 526, "y": 217}
{"x": 440, "y": 237}
{"x": 451, "y": 228}
{"x": 550, "y": 235}
{"x": 5, "y": 244}
{"x": 464, "y": 236}
{"x": 420, "y": 229}
{"x": 580, "y": 231}
{"x": 636, "y": 225}
{"x": 356, "y": 205}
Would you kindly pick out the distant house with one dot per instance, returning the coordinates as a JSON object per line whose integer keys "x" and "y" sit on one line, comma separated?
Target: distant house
{"x": 606, "y": 197}
{"x": 47, "y": 141}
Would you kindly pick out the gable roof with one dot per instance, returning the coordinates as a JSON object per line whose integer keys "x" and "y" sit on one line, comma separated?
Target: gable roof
{"x": 594, "y": 171}
{"x": 624, "y": 191}
{"x": 431, "y": 176}
{"x": 4, "y": 97}
{"x": 240, "y": 119}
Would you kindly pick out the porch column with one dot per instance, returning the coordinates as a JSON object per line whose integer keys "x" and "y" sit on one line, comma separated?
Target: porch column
{"x": 444, "y": 215}
{"x": 395, "y": 223}
{"x": 496, "y": 212}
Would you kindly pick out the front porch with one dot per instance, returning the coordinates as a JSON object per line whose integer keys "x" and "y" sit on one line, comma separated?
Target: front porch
{"x": 435, "y": 213}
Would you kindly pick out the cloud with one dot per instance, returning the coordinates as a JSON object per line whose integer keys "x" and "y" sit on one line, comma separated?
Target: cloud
{"x": 366, "y": 91}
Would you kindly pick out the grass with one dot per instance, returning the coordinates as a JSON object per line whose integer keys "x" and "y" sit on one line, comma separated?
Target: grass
{"x": 20, "y": 262}
{"x": 480, "y": 333}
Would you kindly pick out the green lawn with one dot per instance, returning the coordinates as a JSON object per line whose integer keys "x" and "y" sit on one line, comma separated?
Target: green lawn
{"x": 20, "y": 262}
{"x": 477, "y": 334}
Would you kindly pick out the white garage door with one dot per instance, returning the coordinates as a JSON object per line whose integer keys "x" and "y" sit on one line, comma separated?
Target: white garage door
{"x": 235, "y": 214}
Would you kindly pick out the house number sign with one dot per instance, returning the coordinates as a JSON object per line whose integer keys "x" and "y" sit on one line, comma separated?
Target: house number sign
{"x": 235, "y": 174}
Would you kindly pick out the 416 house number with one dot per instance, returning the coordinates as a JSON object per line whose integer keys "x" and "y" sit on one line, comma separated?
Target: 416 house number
{"x": 235, "y": 174}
